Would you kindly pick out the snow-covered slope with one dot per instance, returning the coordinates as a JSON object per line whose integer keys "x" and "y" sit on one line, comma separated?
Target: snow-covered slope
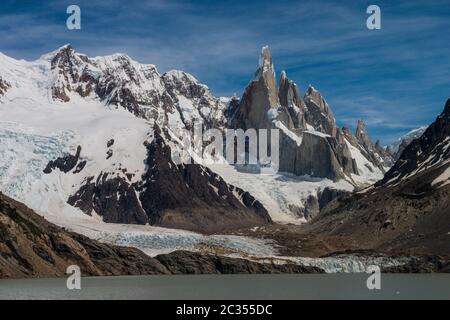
{"x": 430, "y": 152}
{"x": 107, "y": 106}
{"x": 401, "y": 143}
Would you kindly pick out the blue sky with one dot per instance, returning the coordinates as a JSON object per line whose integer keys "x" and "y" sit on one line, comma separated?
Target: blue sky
{"x": 396, "y": 78}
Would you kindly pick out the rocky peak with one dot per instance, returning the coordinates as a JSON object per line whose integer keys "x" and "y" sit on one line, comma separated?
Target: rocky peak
{"x": 389, "y": 150}
{"x": 73, "y": 73}
{"x": 319, "y": 114}
{"x": 430, "y": 150}
{"x": 289, "y": 93}
{"x": 378, "y": 145}
{"x": 290, "y": 97}
{"x": 260, "y": 95}
{"x": 191, "y": 196}
{"x": 184, "y": 84}
{"x": 265, "y": 64}
{"x": 362, "y": 135}
{"x": 118, "y": 80}
{"x": 266, "y": 73}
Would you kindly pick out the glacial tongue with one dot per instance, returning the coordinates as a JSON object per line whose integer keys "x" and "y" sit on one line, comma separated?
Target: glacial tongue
{"x": 187, "y": 196}
{"x": 191, "y": 196}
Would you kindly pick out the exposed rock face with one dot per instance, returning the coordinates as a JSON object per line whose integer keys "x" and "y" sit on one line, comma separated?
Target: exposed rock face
{"x": 367, "y": 147}
{"x": 428, "y": 151}
{"x": 74, "y": 74}
{"x": 308, "y": 135}
{"x": 66, "y": 163}
{"x": 4, "y": 86}
{"x": 192, "y": 197}
{"x": 210, "y": 110}
{"x": 377, "y": 156}
{"x": 176, "y": 196}
{"x": 112, "y": 198}
{"x": 362, "y": 136}
{"x": 183, "y": 262}
{"x": 175, "y": 97}
{"x": 400, "y": 145}
{"x": 319, "y": 114}
{"x": 260, "y": 96}
{"x": 266, "y": 71}
{"x": 312, "y": 208}
{"x": 32, "y": 247}
{"x": 290, "y": 97}
{"x": 328, "y": 195}
{"x": 408, "y": 211}
{"x": 411, "y": 218}
{"x": 318, "y": 156}
{"x": 385, "y": 154}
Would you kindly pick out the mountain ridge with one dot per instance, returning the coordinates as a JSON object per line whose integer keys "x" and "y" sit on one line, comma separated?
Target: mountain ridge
{"x": 87, "y": 100}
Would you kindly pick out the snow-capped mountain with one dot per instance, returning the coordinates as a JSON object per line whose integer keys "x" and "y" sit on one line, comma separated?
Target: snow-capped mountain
{"x": 430, "y": 153}
{"x": 310, "y": 141}
{"x": 408, "y": 211}
{"x": 75, "y": 135}
{"x": 397, "y": 147}
{"x": 76, "y": 130}
{"x": 174, "y": 98}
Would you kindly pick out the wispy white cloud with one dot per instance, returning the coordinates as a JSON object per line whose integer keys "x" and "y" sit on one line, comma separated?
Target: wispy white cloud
{"x": 395, "y": 78}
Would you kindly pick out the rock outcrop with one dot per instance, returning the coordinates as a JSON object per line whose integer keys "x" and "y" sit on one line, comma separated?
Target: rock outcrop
{"x": 113, "y": 198}
{"x": 65, "y": 163}
{"x": 31, "y": 247}
{"x": 290, "y": 97}
{"x": 317, "y": 156}
{"x": 191, "y": 196}
{"x": 308, "y": 134}
{"x": 319, "y": 114}
{"x": 185, "y": 196}
{"x": 4, "y": 86}
{"x": 385, "y": 154}
{"x": 174, "y": 98}
{"x": 427, "y": 152}
{"x": 407, "y": 212}
{"x": 377, "y": 156}
{"x": 260, "y": 96}
{"x": 400, "y": 145}
{"x": 184, "y": 262}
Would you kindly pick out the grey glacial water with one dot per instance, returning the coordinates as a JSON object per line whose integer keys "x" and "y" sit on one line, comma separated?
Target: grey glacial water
{"x": 307, "y": 286}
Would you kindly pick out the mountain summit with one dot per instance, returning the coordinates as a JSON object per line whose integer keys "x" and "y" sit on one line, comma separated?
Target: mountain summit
{"x": 78, "y": 131}
{"x": 408, "y": 211}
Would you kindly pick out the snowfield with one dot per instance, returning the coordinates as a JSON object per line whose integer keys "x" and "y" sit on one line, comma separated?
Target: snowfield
{"x": 35, "y": 129}
{"x": 279, "y": 192}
